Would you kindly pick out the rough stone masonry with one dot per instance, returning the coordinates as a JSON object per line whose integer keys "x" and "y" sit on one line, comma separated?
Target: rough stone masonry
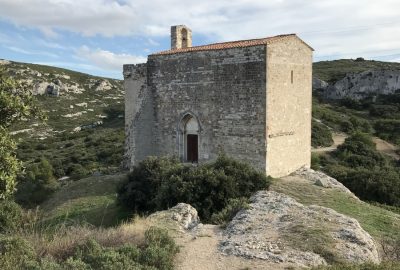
{"x": 249, "y": 99}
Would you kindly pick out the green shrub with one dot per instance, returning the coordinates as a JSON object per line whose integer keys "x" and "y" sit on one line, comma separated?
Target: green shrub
{"x": 11, "y": 215}
{"x": 233, "y": 206}
{"x": 16, "y": 253}
{"x": 159, "y": 183}
{"x": 365, "y": 171}
{"x": 37, "y": 184}
{"x": 315, "y": 161}
{"x": 388, "y": 130}
{"x": 157, "y": 253}
{"x": 385, "y": 111}
{"x": 380, "y": 185}
{"x": 77, "y": 171}
{"x": 320, "y": 135}
{"x": 359, "y": 150}
{"x": 365, "y": 266}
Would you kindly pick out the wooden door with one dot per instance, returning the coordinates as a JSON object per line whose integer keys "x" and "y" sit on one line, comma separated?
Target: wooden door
{"x": 192, "y": 148}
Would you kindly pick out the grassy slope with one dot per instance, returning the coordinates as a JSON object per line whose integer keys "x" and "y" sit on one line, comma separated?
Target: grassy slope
{"x": 375, "y": 220}
{"x": 337, "y": 69}
{"x": 91, "y": 200}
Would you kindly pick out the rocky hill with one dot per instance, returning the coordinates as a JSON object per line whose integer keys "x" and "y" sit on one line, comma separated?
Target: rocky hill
{"x": 72, "y": 100}
{"x": 356, "y": 79}
{"x": 280, "y": 231}
{"x": 83, "y": 133}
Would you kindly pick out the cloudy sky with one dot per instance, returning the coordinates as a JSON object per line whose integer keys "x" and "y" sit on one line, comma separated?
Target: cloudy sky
{"x": 98, "y": 36}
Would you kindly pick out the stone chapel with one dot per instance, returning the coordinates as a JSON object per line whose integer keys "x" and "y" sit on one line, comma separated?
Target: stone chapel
{"x": 250, "y": 99}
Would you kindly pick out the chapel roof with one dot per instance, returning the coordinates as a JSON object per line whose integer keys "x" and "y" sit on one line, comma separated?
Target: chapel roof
{"x": 232, "y": 44}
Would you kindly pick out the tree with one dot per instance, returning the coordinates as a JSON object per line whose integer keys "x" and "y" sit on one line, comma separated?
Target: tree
{"x": 16, "y": 103}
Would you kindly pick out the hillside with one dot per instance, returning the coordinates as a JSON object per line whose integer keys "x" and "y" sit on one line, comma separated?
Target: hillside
{"x": 332, "y": 71}
{"x": 92, "y": 200}
{"x": 305, "y": 219}
{"x": 83, "y": 133}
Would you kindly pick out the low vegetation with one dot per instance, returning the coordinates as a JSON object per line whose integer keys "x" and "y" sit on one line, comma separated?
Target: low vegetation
{"x": 331, "y": 71}
{"x": 320, "y": 135}
{"x": 124, "y": 247}
{"x": 159, "y": 183}
{"x": 367, "y": 266}
{"x": 368, "y": 173}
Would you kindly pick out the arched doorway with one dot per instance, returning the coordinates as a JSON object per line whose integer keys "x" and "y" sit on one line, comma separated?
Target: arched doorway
{"x": 190, "y": 134}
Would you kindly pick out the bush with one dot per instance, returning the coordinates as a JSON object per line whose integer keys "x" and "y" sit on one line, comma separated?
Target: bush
{"x": 320, "y": 135}
{"x": 233, "y": 206}
{"x": 16, "y": 253}
{"x": 388, "y": 130}
{"x": 315, "y": 161}
{"x": 359, "y": 150}
{"x": 385, "y": 111}
{"x": 365, "y": 266}
{"x": 365, "y": 171}
{"x": 77, "y": 171}
{"x": 157, "y": 252}
{"x": 11, "y": 215}
{"x": 159, "y": 183}
{"x": 380, "y": 185}
{"x": 37, "y": 184}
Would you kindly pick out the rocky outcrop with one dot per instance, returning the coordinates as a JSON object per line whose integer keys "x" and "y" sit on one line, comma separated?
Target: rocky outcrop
{"x": 103, "y": 85}
{"x": 365, "y": 84}
{"x": 322, "y": 180}
{"x": 318, "y": 84}
{"x": 279, "y": 229}
{"x": 183, "y": 215}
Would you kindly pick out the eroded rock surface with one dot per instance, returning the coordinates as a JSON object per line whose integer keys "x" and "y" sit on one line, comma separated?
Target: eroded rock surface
{"x": 279, "y": 229}
{"x": 322, "y": 180}
{"x": 184, "y": 215}
{"x": 364, "y": 84}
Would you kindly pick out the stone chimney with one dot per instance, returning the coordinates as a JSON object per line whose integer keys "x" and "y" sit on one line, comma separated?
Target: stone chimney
{"x": 181, "y": 37}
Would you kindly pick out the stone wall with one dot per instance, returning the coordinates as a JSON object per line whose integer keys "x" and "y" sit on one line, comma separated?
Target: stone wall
{"x": 224, "y": 89}
{"x": 139, "y": 115}
{"x": 288, "y": 106}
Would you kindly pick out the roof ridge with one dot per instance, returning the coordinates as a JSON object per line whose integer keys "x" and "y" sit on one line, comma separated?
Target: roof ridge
{"x": 243, "y": 40}
{"x": 225, "y": 45}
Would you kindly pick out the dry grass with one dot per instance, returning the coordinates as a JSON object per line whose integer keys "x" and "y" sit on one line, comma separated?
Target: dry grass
{"x": 61, "y": 243}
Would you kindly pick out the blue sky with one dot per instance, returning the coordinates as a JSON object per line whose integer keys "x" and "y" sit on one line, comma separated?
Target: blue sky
{"x": 98, "y": 36}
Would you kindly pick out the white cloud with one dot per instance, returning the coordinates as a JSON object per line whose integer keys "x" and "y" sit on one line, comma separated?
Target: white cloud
{"x": 107, "y": 60}
{"x": 30, "y": 52}
{"x": 339, "y": 27}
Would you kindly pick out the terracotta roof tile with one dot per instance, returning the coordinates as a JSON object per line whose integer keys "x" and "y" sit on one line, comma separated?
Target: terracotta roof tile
{"x": 229, "y": 45}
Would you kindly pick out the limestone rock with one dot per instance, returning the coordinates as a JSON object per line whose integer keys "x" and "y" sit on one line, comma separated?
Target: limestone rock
{"x": 322, "y": 180}
{"x": 103, "y": 85}
{"x": 360, "y": 85}
{"x": 264, "y": 231}
{"x": 318, "y": 84}
{"x": 4, "y": 62}
{"x": 184, "y": 215}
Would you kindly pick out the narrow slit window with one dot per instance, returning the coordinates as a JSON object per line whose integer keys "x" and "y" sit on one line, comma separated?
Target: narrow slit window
{"x": 291, "y": 76}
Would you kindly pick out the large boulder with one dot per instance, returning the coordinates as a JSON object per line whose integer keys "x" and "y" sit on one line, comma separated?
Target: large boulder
{"x": 279, "y": 229}
{"x": 183, "y": 215}
{"x": 320, "y": 179}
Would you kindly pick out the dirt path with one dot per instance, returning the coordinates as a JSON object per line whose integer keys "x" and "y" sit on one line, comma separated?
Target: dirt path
{"x": 381, "y": 145}
{"x": 199, "y": 251}
{"x": 386, "y": 148}
{"x": 338, "y": 139}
